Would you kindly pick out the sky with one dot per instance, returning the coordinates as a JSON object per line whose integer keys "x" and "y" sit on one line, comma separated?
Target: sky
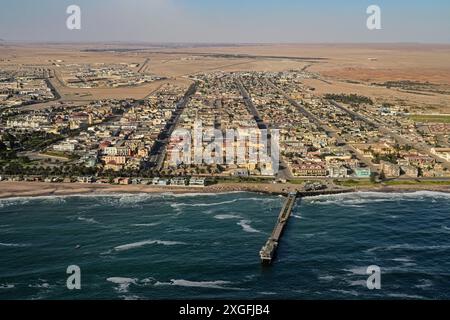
{"x": 226, "y": 21}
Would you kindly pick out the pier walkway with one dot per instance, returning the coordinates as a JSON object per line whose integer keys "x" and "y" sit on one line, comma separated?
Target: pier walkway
{"x": 268, "y": 251}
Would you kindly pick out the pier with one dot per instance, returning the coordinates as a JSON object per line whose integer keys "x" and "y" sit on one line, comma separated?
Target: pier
{"x": 268, "y": 251}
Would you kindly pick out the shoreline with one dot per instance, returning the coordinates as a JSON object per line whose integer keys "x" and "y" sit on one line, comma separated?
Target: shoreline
{"x": 9, "y": 189}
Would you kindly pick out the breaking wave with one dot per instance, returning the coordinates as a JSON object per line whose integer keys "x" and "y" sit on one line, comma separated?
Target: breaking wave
{"x": 139, "y": 244}
{"x": 145, "y": 224}
{"x": 123, "y": 283}
{"x": 245, "y": 224}
{"x": 227, "y": 216}
{"x": 2, "y": 244}
{"x": 408, "y": 246}
{"x": 361, "y": 198}
{"x": 88, "y": 220}
{"x": 218, "y": 284}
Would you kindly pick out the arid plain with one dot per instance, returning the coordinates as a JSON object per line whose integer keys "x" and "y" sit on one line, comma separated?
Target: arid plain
{"x": 362, "y": 69}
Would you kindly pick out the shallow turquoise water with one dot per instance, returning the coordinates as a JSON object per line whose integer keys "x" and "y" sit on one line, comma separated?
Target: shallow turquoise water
{"x": 206, "y": 246}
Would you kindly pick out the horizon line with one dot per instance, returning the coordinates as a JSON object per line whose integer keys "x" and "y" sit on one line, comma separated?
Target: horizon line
{"x": 127, "y": 42}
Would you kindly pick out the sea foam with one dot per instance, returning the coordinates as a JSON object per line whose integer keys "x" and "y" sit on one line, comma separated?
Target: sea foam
{"x": 122, "y": 282}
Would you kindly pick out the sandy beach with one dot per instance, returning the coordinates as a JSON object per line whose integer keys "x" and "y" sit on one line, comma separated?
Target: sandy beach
{"x": 9, "y": 189}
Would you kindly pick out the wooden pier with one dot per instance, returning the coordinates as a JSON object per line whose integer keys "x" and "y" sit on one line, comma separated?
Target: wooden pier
{"x": 267, "y": 252}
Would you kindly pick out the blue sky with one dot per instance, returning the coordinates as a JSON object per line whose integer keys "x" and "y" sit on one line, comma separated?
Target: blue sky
{"x": 226, "y": 21}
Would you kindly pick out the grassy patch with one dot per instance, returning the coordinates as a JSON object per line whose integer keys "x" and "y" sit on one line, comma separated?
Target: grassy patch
{"x": 59, "y": 154}
{"x": 431, "y": 118}
{"x": 243, "y": 179}
{"x": 368, "y": 183}
{"x": 354, "y": 183}
{"x": 417, "y": 182}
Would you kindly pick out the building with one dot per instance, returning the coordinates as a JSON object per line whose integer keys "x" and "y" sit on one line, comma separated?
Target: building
{"x": 178, "y": 181}
{"x": 309, "y": 170}
{"x": 362, "y": 172}
{"x": 123, "y": 181}
{"x": 390, "y": 169}
{"x": 118, "y": 160}
{"x": 64, "y": 147}
{"x": 337, "y": 172}
{"x": 197, "y": 182}
{"x": 163, "y": 182}
{"x": 443, "y": 153}
{"x": 410, "y": 171}
{"x": 89, "y": 179}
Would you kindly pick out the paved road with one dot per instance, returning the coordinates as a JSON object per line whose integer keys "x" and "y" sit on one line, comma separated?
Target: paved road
{"x": 283, "y": 170}
{"x": 143, "y": 65}
{"x": 158, "y": 152}
{"x": 250, "y": 106}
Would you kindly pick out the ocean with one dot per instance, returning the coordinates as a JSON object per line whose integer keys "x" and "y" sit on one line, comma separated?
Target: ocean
{"x": 206, "y": 246}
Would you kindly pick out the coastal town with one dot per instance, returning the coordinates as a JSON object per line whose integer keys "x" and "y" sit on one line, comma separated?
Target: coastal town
{"x": 342, "y": 138}
{"x": 249, "y": 155}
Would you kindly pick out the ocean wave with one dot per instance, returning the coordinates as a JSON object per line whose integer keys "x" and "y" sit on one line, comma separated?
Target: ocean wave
{"x": 346, "y": 292}
{"x": 402, "y": 259}
{"x": 267, "y": 293}
{"x": 408, "y": 246}
{"x": 310, "y": 235}
{"x": 54, "y": 200}
{"x": 15, "y": 201}
{"x": 227, "y": 216}
{"x": 88, "y": 220}
{"x": 245, "y": 224}
{"x": 134, "y": 200}
{"x": 139, "y": 244}
{"x": 131, "y": 298}
{"x": 125, "y": 200}
{"x": 264, "y": 200}
{"x": 2, "y": 244}
{"x": 218, "y": 284}
{"x": 326, "y": 277}
{"x": 149, "y": 280}
{"x": 183, "y": 229}
{"x": 122, "y": 282}
{"x": 42, "y": 285}
{"x": 358, "y": 283}
{"x": 405, "y": 296}
{"x": 200, "y": 194}
{"x": 424, "y": 284}
{"x": 357, "y": 270}
{"x": 7, "y": 286}
{"x": 361, "y": 198}
{"x": 210, "y": 204}
{"x": 145, "y": 224}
